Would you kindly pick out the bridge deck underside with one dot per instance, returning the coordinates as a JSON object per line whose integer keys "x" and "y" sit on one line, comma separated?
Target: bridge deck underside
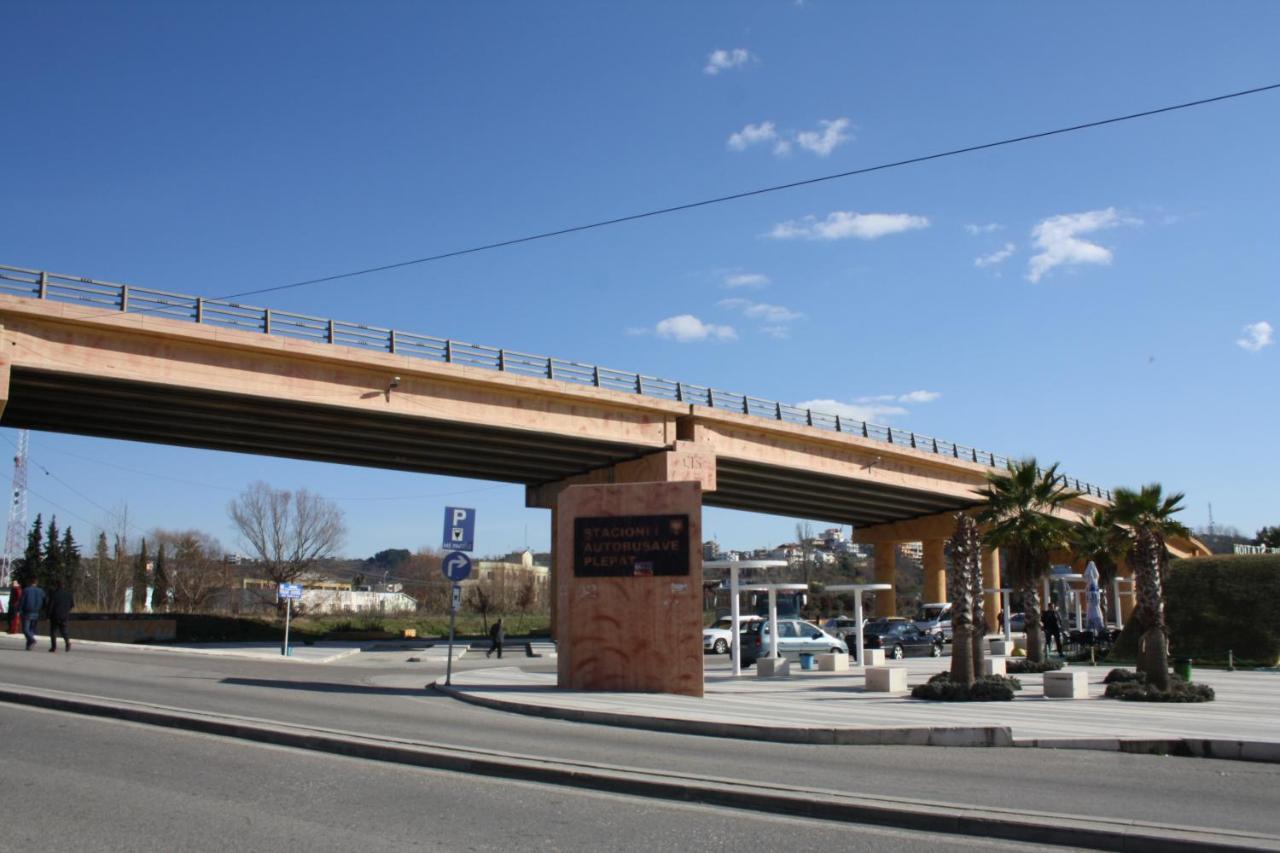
{"x": 812, "y": 495}
{"x": 162, "y": 414}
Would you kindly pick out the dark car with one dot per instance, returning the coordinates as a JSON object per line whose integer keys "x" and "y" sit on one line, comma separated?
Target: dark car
{"x": 901, "y": 639}
{"x": 842, "y": 627}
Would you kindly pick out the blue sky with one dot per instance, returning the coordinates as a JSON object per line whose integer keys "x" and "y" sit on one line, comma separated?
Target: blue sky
{"x": 1083, "y": 298}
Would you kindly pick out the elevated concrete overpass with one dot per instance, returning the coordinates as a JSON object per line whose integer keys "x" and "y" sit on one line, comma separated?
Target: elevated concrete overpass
{"x": 94, "y": 358}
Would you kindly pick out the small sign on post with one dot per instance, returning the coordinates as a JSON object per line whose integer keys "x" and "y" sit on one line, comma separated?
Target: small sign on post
{"x": 289, "y": 593}
{"x": 456, "y": 604}
{"x": 459, "y": 528}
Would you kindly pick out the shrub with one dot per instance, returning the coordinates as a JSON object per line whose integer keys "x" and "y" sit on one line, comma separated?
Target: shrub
{"x": 1125, "y": 676}
{"x": 1140, "y": 691}
{"x": 991, "y": 688}
{"x": 1028, "y": 667}
{"x": 1225, "y": 602}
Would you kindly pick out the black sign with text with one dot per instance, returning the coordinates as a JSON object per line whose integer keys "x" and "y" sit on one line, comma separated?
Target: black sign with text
{"x": 631, "y": 546}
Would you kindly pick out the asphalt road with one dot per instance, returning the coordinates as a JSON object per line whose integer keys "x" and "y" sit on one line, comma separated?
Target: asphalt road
{"x": 382, "y": 694}
{"x": 86, "y": 783}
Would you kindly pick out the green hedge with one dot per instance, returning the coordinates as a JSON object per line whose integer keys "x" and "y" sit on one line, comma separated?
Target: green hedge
{"x": 1225, "y": 602}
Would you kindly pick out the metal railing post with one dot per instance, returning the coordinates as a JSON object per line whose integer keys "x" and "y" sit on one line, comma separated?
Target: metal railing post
{"x": 746, "y": 405}
{"x": 199, "y": 309}
{"x": 711, "y": 399}
{"x": 595, "y": 376}
{"x": 551, "y": 368}
{"x": 679, "y": 392}
{"x": 502, "y": 361}
{"x": 448, "y": 351}
{"x": 330, "y": 332}
{"x": 913, "y": 441}
{"x": 266, "y": 321}
{"x": 935, "y": 445}
{"x": 865, "y": 433}
{"x": 44, "y": 284}
{"x": 124, "y": 297}
{"x": 838, "y": 423}
{"x": 889, "y": 430}
{"x": 392, "y": 342}
{"x": 809, "y": 417}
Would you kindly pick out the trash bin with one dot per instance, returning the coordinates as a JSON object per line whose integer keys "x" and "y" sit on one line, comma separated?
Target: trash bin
{"x": 1182, "y": 668}
{"x": 806, "y": 660}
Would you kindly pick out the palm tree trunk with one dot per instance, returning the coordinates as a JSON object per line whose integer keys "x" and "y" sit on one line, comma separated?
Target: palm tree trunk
{"x": 1031, "y": 620}
{"x": 961, "y": 662}
{"x": 1148, "y": 612}
{"x": 978, "y": 633}
{"x": 963, "y": 548}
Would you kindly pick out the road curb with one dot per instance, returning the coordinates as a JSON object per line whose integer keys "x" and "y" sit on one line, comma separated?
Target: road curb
{"x": 821, "y": 735}
{"x": 1038, "y": 827}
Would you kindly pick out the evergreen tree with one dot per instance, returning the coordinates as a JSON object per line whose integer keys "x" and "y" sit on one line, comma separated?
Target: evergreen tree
{"x": 28, "y": 566}
{"x": 52, "y": 568}
{"x": 160, "y": 594}
{"x": 140, "y": 580}
{"x": 70, "y": 552}
{"x": 101, "y": 564}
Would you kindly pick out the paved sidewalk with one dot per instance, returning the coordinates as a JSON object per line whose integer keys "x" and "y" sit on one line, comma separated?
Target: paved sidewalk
{"x": 321, "y": 652}
{"x": 834, "y": 707}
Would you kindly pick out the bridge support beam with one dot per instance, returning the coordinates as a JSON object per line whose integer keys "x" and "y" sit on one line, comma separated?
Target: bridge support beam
{"x": 886, "y": 558}
{"x": 935, "y": 571}
{"x": 4, "y": 381}
{"x": 685, "y": 461}
{"x": 991, "y": 580}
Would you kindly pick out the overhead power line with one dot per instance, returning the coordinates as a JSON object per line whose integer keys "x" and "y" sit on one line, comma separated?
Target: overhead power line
{"x": 662, "y": 211}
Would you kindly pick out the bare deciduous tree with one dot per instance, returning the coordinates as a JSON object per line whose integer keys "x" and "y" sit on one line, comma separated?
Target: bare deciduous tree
{"x": 195, "y": 567}
{"x": 287, "y": 531}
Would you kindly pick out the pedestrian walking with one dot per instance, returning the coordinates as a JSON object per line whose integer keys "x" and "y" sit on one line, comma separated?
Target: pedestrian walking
{"x": 497, "y": 634}
{"x": 32, "y": 604}
{"x": 1052, "y": 625}
{"x": 15, "y": 617}
{"x": 61, "y": 604}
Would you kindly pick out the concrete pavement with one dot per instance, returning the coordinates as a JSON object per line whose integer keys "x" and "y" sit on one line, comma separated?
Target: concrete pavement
{"x": 822, "y": 707}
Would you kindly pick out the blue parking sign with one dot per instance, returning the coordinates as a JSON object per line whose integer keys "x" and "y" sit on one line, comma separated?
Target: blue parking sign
{"x": 456, "y": 567}
{"x": 459, "y": 528}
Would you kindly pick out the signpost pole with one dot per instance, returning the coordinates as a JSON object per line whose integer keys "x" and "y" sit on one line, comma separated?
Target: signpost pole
{"x": 288, "y": 607}
{"x": 453, "y": 614}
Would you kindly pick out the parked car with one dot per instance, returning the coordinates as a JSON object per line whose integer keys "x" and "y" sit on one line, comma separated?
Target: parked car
{"x": 935, "y": 619}
{"x": 842, "y": 627}
{"x": 794, "y": 636}
{"x": 900, "y": 638}
{"x": 718, "y": 638}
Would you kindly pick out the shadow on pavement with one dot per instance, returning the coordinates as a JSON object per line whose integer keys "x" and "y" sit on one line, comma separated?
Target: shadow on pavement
{"x": 329, "y": 687}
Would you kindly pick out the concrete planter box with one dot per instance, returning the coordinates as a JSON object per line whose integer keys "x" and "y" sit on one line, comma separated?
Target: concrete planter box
{"x": 773, "y": 668}
{"x": 886, "y": 679}
{"x": 833, "y": 663}
{"x": 1065, "y": 684}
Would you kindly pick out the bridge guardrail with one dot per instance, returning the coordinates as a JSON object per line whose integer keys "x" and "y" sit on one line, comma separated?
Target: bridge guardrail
{"x": 39, "y": 284}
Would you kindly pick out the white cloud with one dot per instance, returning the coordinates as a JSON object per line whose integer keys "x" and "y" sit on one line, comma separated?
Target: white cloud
{"x": 1059, "y": 243}
{"x": 723, "y": 60}
{"x": 999, "y": 256}
{"x": 779, "y": 332}
{"x": 687, "y": 328}
{"x": 983, "y": 229}
{"x": 1256, "y": 336}
{"x": 753, "y": 134}
{"x": 782, "y": 149}
{"x": 842, "y": 224}
{"x": 919, "y": 396}
{"x": 873, "y": 408}
{"x": 750, "y": 280}
{"x": 824, "y": 142}
{"x": 854, "y": 411}
{"x": 761, "y": 310}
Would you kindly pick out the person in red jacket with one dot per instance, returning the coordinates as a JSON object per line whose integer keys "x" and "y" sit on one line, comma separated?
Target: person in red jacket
{"x": 15, "y": 618}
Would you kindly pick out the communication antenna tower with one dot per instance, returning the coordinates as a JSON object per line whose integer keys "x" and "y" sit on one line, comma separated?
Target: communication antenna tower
{"x": 17, "y": 529}
{"x": 1211, "y": 530}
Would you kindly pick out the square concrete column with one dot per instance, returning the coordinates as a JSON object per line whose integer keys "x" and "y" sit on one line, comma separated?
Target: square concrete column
{"x": 1127, "y": 598}
{"x": 991, "y": 580}
{"x": 886, "y": 556}
{"x": 935, "y": 570}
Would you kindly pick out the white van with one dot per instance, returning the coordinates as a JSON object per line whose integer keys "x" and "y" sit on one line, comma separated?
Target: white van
{"x": 935, "y": 619}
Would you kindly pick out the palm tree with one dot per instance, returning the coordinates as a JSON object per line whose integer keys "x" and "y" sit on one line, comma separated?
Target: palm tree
{"x": 1020, "y": 517}
{"x": 965, "y": 591}
{"x": 1095, "y": 539}
{"x": 1144, "y": 521}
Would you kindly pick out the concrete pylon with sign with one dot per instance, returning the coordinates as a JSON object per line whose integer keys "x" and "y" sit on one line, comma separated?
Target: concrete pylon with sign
{"x": 629, "y": 600}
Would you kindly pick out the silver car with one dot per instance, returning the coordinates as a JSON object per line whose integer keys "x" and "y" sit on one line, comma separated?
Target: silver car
{"x": 794, "y": 636}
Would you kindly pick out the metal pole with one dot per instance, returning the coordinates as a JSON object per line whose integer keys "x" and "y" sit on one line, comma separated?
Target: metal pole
{"x": 288, "y": 608}
{"x": 857, "y": 627}
{"x": 735, "y": 641}
{"x": 453, "y": 614}
{"x": 1008, "y": 617}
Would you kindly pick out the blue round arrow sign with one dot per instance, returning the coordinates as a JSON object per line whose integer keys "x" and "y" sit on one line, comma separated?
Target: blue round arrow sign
{"x": 456, "y": 566}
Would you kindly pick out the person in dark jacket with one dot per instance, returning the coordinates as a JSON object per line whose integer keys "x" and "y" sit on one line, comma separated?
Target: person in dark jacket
{"x": 1052, "y": 625}
{"x": 496, "y": 635}
{"x": 60, "y": 606}
{"x": 30, "y": 607}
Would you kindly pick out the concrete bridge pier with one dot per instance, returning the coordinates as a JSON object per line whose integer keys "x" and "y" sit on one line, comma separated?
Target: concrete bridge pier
{"x": 991, "y": 580}
{"x": 935, "y": 571}
{"x": 886, "y": 558}
{"x": 685, "y": 461}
